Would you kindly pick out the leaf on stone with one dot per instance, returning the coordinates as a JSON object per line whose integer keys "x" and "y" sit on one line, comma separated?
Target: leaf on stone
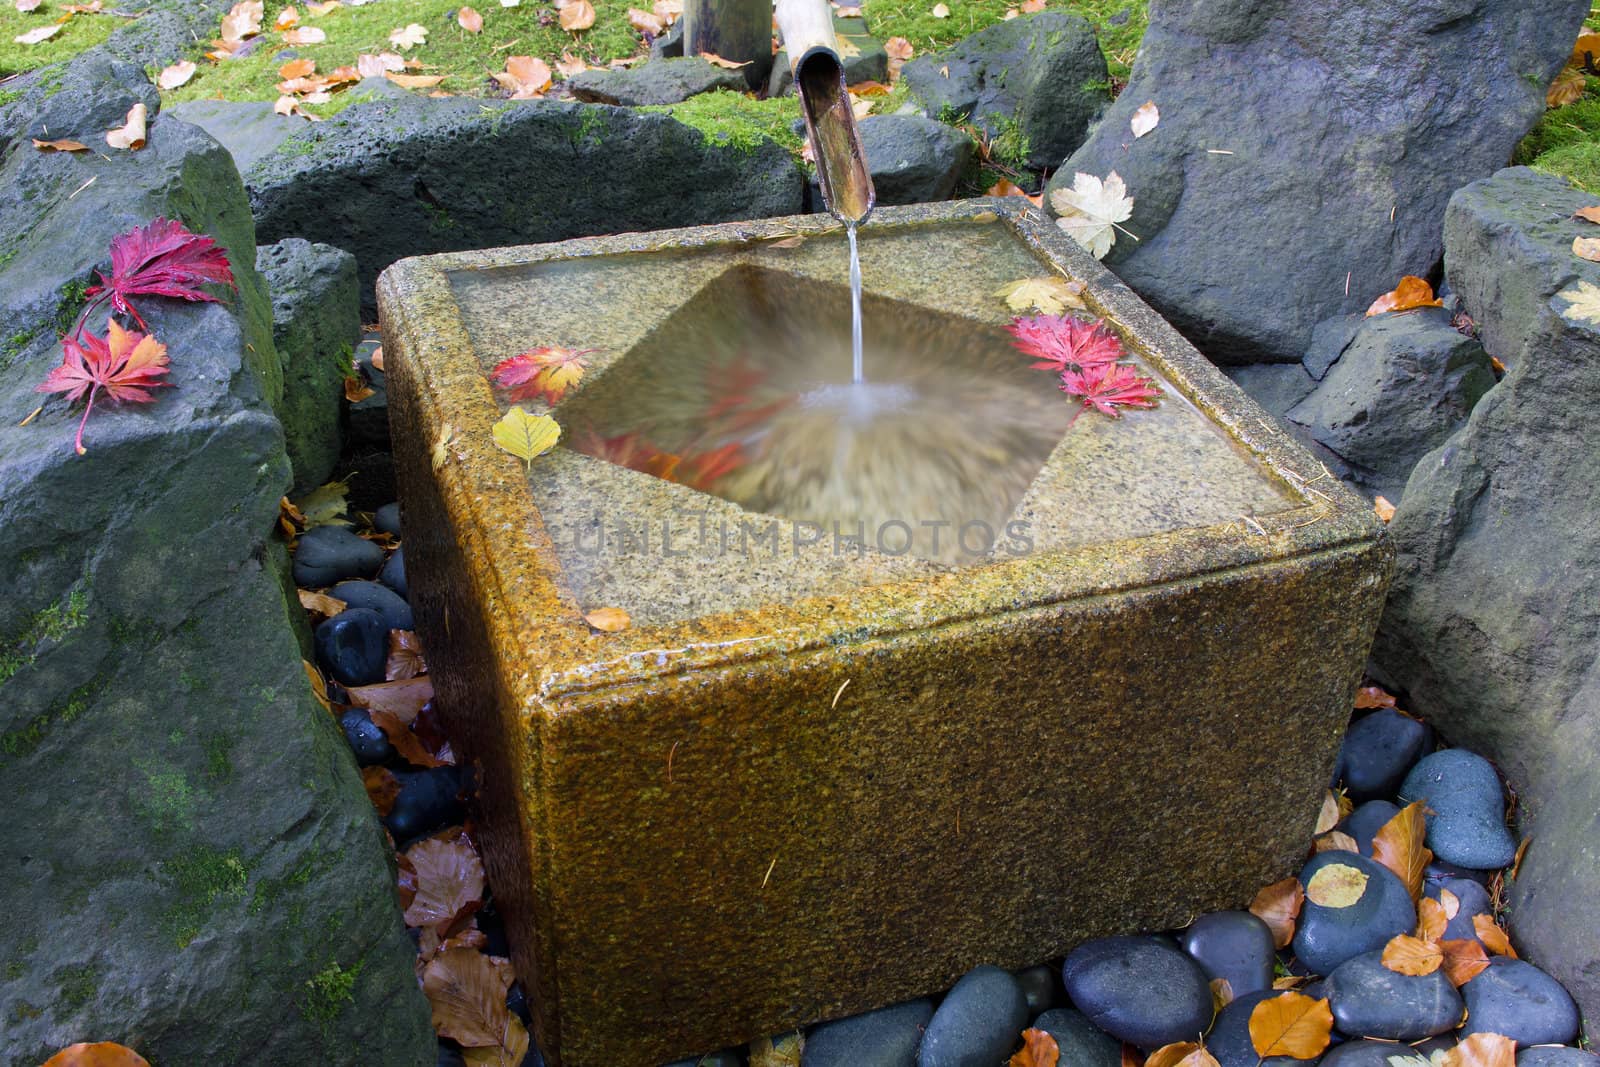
{"x": 1399, "y": 846}
{"x": 409, "y": 36}
{"x": 1588, "y": 214}
{"x": 526, "y": 436}
{"x": 1145, "y": 119}
{"x": 449, "y": 879}
{"x": 525, "y": 76}
{"x": 1567, "y": 88}
{"x": 468, "y": 995}
{"x": 1038, "y": 1049}
{"x": 1278, "y": 905}
{"x": 1431, "y": 919}
{"x": 1383, "y": 509}
{"x": 1372, "y": 696}
{"x": 1587, "y": 248}
{"x": 1482, "y": 1050}
{"x": 405, "y": 656}
{"x": 37, "y": 34}
{"x": 1464, "y": 960}
{"x": 577, "y": 15}
{"x": 382, "y": 788}
{"x": 403, "y": 698}
{"x": 63, "y": 145}
{"x": 728, "y": 64}
{"x": 1412, "y": 293}
{"x": 162, "y": 259}
{"x": 608, "y": 620}
{"x": 1493, "y": 936}
{"x": 405, "y": 741}
{"x": 1408, "y": 955}
{"x": 176, "y": 75}
{"x": 131, "y": 134}
{"x": 1334, "y": 841}
{"x": 1050, "y": 295}
{"x": 96, "y": 1054}
{"x": 1181, "y": 1054}
{"x": 321, "y": 603}
{"x": 1291, "y": 1024}
{"x": 1337, "y": 885}
{"x": 469, "y": 20}
{"x": 126, "y": 365}
{"x": 319, "y": 686}
{"x": 1583, "y": 302}
{"x": 1221, "y": 994}
{"x": 304, "y": 35}
{"x": 1328, "y": 816}
{"x": 1090, "y": 210}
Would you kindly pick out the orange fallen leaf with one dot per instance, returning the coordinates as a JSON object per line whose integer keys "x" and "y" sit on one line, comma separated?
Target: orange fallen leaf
{"x": 1384, "y": 510}
{"x": 1181, "y": 1054}
{"x": 356, "y": 389}
{"x": 577, "y": 15}
{"x": 468, "y": 994}
{"x": 1431, "y": 919}
{"x": 319, "y": 687}
{"x": 1464, "y": 960}
{"x": 608, "y": 620}
{"x": 97, "y": 1054}
{"x": 1278, "y": 905}
{"x": 1410, "y": 294}
{"x": 60, "y": 146}
{"x": 1566, "y": 89}
{"x": 321, "y": 603}
{"x": 728, "y": 64}
{"x": 287, "y": 19}
{"x": 1493, "y": 936}
{"x": 525, "y": 76}
{"x": 382, "y": 788}
{"x": 414, "y": 81}
{"x": 1291, "y": 1024}
{"x": 469, "y": 19}
{"x": 1482, "y": 1050}
{"x": 1221, "y": 994}
{"x": 297, "y": 68}
{"x": 511, "y": 1051}
{"x": 403, "y": 698}
{"x": 298, "y": 38}
{"x": 1006, "y": 187}
{"x": 1334, "y": 841}
{"x": 1039, "y": 1049}
{"x": 319, "y": 9}
{"x": 1399, "y": 846}
{"x": 1372, "y": 696}
{"x": 1412, "y": 956}
{"x": 1588, "y": 214}
{"x": 405, "y": 656}
{"x": 1328, "y": 816}
{"x": 646, "y": 22}
{"x": 178, "y": 74}
{"x": 242, "y": 20}
{"x": 130, "y": 135}
{"x": 570, "y": 64}
{"x": 1516, "y": 862}
{"x": 1031, "y": 6}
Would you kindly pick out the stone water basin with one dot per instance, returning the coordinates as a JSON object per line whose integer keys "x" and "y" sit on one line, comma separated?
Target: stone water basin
{"x": 818, "y": 774}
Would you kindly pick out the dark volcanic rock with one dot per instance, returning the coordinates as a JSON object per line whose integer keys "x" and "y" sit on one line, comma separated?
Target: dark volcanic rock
{"x": 1556, "y": 1056}
{"x": 399, "y": 178}
{"x": 1234, "y": 945}
{"x": 1040, "y": 78}
{"x": 887, "y": 1037}
{"x": 1327, "y": 936}
{"x": 1081, "y": 1042}
{"x": 1364, "y": 823}
{"x": 1324, "y": 179}
{"x": 329, "y": 554}
{"x": 977, "y": 1022}
{"x": 1518, "y": 1000}
{"x": 1370, "y": 1000}
{"x": 660, "y": 81}
{"x": 1142, "y": 990}
{"x": 1404, "y": 383}
{"x": 196, "y": 866}
{"x": 352, "y": 646}
{"x": 913, "y": 159}
{"x": 1467, "y": 809}
{"x": 1378, "y": 751}
{"x": 316, "y": 321}
{"x": 1493, "y": 623}
{"x": 376, "y": 597}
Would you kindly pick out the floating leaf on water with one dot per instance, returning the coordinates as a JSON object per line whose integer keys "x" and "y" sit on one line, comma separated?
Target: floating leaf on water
{"x": 526, "y": 436}
{"x": 1050, "y": 295}
{"x": 1337, "y": 885}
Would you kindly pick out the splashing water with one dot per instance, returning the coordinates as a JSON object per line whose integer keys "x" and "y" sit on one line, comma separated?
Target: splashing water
{"x": 860, "y": 374}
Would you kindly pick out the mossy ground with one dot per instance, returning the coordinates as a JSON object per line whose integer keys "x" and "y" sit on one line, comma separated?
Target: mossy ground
{"x": 1120, "y": 24}
{"x": 79, "y": 33}
{"x": 1567, "y": 139}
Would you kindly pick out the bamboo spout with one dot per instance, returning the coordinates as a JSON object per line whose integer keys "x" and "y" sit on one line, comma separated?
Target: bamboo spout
{"x": 807, "y": 30}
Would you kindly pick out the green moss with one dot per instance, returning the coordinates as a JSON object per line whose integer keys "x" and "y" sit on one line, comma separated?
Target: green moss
{"x": 7, "y": 96}
{"x": 50, "y": 625}
{"x": 328, "y": 992}
{"x": 78, "y": 986}
{"x": 80, "y": 33}
{"x": 219, "y": 758}
{"x": 269, "y": 892}
{"x": 168, "y": 802}
{"x": 297, "y": 146}
{"x": 22, "y": 1012}
{"x": 729, "y": 118}
{"x": 1010, "y": 146}
{"x": 200, "y": 879}
{"x": 23, "y": 742}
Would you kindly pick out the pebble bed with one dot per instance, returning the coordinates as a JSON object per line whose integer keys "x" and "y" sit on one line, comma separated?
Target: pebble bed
{"x": 1142, "y": 992}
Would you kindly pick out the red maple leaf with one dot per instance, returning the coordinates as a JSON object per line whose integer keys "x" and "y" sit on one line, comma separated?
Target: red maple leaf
{"x": 630, "y": 450}
{"x": 126, "y": 365}
{"x": 1106, "y": 387}
{"x": 702, "y": 470}
{"x": 544, "y": 373}
{"x": 1060, "y": 341}
{"x": 161, "y": 259}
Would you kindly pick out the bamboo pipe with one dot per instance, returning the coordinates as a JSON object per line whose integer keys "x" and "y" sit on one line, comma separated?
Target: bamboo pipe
{"x": 806, "y": 27}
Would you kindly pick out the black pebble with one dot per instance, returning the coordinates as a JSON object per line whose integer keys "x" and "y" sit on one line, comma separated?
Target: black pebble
{"x": 387, "y": 519}
{"x": 330, "y": 554}
{"x": 353, "y": 646}
{"x": 427, "y": 802}
{"x": 1041, "y": 986}
{"x": 1364, "y": 823}
{"x": 1378, "y": 751}
{"x": 374, "y": 597}
{"x": 1234, "y": 945}
{"x": 393, "y": 574}
{"x": 366, "y": 740}
{"x": 887, "y": 1037}
{"x": 978, "y": 1021}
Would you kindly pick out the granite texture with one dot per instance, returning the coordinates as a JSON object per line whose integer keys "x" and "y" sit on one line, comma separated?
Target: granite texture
{"x": 862, "y": 776}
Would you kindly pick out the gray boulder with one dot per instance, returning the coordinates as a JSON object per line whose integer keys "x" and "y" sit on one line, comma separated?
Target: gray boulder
{"x": 248, "y": 129}
{"x": 660, "y": 81}
{"x": 1404, "y": 383}
{"x": 389, "y": 179}
{"x": 1306, "y": 152}
{"x": 1036, "y": 81}
{"x": 196, "y": 870}
{"x": 316, "y": 322}
{"x": 1493, "y": 621}
{"x": 1275, "y": 386}
{"x": 913, "y": 160}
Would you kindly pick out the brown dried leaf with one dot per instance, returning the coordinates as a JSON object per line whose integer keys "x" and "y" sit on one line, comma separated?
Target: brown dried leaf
{"x": 1278, "y": 905}
{"x": 402, "y": 698}
{"x": 287, "y": 19}
{"x": 1181, "y": 1054}
{"x": 1291, "y": 1024}
{"x": 1405, "y": 954}
{"x": 1290, "y": 981}
{"x": 178, "y": 74}
{"x": 646, "y": 22}
{"x": 1482, "y": 1050}
{"x": 1384, "y": 509}
{"x": 97, "y": 1054}
{"x": 382, "y": 788}
{"x": 319, "y": 687}
{"x": 299, "y": 38}
{"x": 608, "y": 620}
{"x": 468, "y": 994}
{"x": 1493, "y": 936}
{"x": 1337, "y": 885}
{"x": 570, "y": 64}
{"x": 526, "y": 76}
{"x": 356, "y": 389}
{"x": 511, "y": 1051}
{"x": 130, "y": 135}
{"x": 577, "y": 15}
{"x": 1039, "y": 1049}
{"x": 1566, "y": 89}
{"x": 1464, "y": 960}
{"x": 449, "y": 879}
{"x": 405, "y": 656}
{"x": 1516, "y": 862}
{"x": 62, "y": 145}
{"x": 1431, "y": 919}
{"x": 321, "y": 603}
{"x": 1588, "y": 214}
{"x": 405, "y": 741}
{"x": 728, "y": 64}
{"x": 1450, "y": 903}
{"x": 1587, "y": 248}
{"x": 469, "y": 20}
{"x": 1410, "y": 294}
{"x": 370, "y": 66}
{"x": 1335, "y": 841}
{"x": 297, "y": 68}
{"x": 414, "y": 81}
{"x": 1372, "y": 696}
{"x": 1221, "y": 994}
{"x": 1328, "y": 817}
{"x": 1399, "y": 846}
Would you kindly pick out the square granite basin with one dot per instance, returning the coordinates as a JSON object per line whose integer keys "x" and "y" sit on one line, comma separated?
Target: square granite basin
{"x": 832, "y": 764}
